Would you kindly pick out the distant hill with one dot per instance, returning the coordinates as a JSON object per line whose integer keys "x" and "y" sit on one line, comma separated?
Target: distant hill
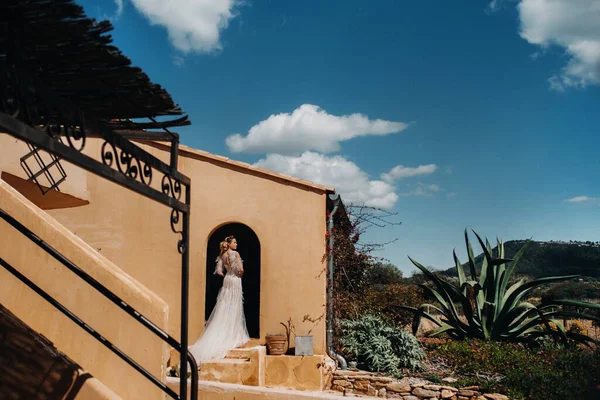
{"x": 549, "y": 258}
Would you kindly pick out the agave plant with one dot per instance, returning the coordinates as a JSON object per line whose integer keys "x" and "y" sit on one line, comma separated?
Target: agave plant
{"x": 491, "y": 309}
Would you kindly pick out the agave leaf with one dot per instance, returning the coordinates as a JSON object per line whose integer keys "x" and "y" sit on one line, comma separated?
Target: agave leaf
{"x": 482, "y": 279}
{"x": 576, "y": 315}
{"x": 423, "y": 306}
{"x": 459, "y": 269}
{"x": 434, "y": 293}
{"x": 453, "y": 312}
{"x": 574, "y": 303}
{"x": 542, "y": 319}
{"x": 440, "y": 330}
{"x": 449, "y": 310}
{"x": 513, "y": 265}
{"x": 442, "y": 294}
{"x": 500, "y": 261}
{"x": 500, "y": 246}
{"x": 416, "y": 322}
{"x": 532, "y": 331}
{"x": 521, "y": 290}
{"x": 486, "y": 249}
{"x": 420, "y": 313}
{"x": 497, "y": 294}
{"x": 511, "y": 290}
{"x": 471, "y": 257}
{"x": 432, "y": 277}
{"x": 513, "y": 317}
{"x": 581, "y": 338}
{"x": 549, "y": 308}
{"x": 487, "y": 277}
{"x": 561, "y": 328}
{"x": 465, "y": 303}
{"x": 474, "y": 284}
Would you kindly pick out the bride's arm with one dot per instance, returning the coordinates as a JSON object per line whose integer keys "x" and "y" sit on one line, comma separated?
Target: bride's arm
{"x": 239, "y": 259}
{"x": 219, "y": 268}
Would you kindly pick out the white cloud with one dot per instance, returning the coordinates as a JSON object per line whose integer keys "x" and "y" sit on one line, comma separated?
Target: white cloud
{"x": 192, "y": 25}
{"x": 493, "y": 6}
{"x": 401, "y": 172}
{"x": 308, "y": 128}
{"x": 422, "y": 190}
{"x": 571, "y": 24}
{"x": 178, "y": 60}
{"x": 345, "y": 176}
{"x": 434, "y": 188}
{"x": 580, "y": 199}
{"x": 119, "y": 12}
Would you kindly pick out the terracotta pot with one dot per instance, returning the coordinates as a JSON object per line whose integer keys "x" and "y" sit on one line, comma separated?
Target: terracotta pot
{"x": 276, "y": 344}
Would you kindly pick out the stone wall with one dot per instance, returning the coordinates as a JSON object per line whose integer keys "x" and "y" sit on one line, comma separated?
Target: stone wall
{"x": 360, "y": 383}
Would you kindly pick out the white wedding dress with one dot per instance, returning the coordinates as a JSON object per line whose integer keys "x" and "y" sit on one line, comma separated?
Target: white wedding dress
{"x": 226, "y": 327}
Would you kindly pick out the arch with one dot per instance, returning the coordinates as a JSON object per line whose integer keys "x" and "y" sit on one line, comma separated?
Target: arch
{"x": 249, "y": 249}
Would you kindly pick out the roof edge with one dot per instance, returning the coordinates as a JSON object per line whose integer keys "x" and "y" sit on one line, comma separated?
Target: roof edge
{"x": 190, "y": 152}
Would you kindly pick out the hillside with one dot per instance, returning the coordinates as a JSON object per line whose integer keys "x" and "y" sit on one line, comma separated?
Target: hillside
{"x": 550, "y": 259}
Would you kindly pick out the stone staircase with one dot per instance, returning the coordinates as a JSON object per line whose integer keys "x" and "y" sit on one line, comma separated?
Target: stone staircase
{"x": 251, "y": 366}
{"x": 244, "y": 366}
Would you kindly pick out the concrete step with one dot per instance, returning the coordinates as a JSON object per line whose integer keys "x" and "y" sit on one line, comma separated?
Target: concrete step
{"x": 238, "y": 354}
{"x": 253, "y": 343}
{"x": 242, "y": 367}
{"x": 216, "y": 390}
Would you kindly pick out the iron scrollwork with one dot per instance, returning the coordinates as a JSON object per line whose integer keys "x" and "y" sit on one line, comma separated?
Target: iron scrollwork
{"x": 175, "y": 216}
{"x": 126, "y": 163}
{"x": 172, "y": 188}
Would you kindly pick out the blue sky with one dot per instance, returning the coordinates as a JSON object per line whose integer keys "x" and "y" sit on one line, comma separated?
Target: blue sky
{"x": 452, "y": 114}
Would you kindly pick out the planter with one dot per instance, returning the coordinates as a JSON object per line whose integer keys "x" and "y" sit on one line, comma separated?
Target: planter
{"x": 304, "y": 345}
{"x": 276, "y": 344}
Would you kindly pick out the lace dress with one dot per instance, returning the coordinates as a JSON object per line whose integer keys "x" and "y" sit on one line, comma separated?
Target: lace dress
{"x": 226, "y": 327}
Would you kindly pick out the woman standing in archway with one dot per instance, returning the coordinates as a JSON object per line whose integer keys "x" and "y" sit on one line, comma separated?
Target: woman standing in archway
{"x": 226, "y": 326}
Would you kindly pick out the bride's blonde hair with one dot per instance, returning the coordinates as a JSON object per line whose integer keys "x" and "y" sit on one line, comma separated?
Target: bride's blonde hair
{"x": 225, "y": 244}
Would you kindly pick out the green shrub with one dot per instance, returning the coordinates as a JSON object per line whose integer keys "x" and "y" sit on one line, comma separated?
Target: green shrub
{"x": 523, "y": 372}
{"x": 378, "y": 347}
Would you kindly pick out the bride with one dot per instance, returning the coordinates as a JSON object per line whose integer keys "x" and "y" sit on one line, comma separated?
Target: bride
{"x": 226, "y": 327}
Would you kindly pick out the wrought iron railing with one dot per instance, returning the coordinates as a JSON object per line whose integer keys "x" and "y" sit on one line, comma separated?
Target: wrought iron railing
{"x": 110, "y": 296}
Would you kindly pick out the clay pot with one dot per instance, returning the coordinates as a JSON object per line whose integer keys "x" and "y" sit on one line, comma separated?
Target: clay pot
{"x": 276, "y": 344}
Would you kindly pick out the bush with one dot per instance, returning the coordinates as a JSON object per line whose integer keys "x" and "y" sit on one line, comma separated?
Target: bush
{"x": 388, "y": 301}
{"x": 522, "y": 372}
{"x": 378, "y": 347}
{"x": 572, "y": 290}
{"x": 488, "y": 306}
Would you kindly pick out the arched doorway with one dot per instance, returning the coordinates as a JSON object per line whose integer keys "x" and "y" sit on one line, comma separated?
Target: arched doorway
{"x": 249, "y": 249}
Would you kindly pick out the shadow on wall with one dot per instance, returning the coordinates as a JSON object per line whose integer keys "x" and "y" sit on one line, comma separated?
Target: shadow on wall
{"x": 249, "y": 249}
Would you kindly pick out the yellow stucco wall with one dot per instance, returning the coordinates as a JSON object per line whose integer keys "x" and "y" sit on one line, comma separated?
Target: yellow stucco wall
{"x": 134, "y": 233}
{"x": 93, "y": 389}
{"x": 101, "y": 314}
{"x": 11, "y": 150}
